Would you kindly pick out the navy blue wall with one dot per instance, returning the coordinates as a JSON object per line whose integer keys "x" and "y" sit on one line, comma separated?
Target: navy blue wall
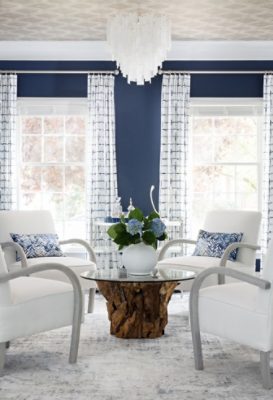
{"x": 138, "y": 108}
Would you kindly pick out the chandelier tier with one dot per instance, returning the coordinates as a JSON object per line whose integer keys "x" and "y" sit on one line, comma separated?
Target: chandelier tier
{"x": 139, "y": 44}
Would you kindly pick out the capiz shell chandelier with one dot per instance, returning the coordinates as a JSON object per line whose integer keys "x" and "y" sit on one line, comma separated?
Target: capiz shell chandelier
{"x": 139, "y": 44}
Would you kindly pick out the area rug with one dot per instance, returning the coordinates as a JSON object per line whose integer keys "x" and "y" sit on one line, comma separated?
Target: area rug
{"x": 116, "y": 369}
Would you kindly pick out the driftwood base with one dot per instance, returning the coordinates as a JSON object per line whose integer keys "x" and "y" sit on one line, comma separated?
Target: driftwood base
{"x": 137, "y": 310}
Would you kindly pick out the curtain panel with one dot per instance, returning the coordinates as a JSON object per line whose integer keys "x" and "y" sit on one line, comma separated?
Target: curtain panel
{"x": 267, "y": 146}
{"x": 174, "y": 152}
{"x": 102, "y": 172}
{"x": 8, "y": 102}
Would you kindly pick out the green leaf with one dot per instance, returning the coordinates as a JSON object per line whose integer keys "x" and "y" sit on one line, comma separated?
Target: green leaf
{"x": 115, "y": 229}
{"x": 136, "y": 214}
{"x": 153, "y": 215}
{"x": 112, "y": 232}
{"x": 163, "y": 236}
{"x": 149, "y": 237}
{"x": 146, "y": 224}
{"x": 123, "y": 238}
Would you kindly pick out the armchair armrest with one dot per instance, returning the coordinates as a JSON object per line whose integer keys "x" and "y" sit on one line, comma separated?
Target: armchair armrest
{"x": 173, "y": 243}
{"x": 234, "y": 246}
{"x": 85, "y": 244}
{"x": 229, "y": 249}
{"x": 19, "y": 250}
{"x": 242, "y": 276}
{"x": 78, "y": 298}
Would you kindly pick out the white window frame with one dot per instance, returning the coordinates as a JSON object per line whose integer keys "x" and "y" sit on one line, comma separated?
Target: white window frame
{"x": 51, "y": 106}
{"x": 200, "y": 106}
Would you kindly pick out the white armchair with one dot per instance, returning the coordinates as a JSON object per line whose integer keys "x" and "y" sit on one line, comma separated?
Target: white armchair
{"x": 38, "y": 222}
{"x": 240, "y": 311}
{"x": 31, "y": 305}
{"x": 229, "y": 221}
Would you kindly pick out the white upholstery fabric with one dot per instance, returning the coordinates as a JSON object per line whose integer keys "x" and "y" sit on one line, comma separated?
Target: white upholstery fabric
{"x": 247, "y": 222}
{"x": 5, "y": 295}
{"x": 240, "y": 311}
{"x": 78, "y": 265}
{"x": 236, "y": 311}
{"x": 198, "y": 264}
{"x": 39, "y": 221}
{"x": 36, "y": 305}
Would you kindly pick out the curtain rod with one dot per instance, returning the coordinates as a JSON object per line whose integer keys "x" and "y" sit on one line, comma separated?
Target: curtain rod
{"x": 211, "y": 72}
{"x": 115, "y": 72}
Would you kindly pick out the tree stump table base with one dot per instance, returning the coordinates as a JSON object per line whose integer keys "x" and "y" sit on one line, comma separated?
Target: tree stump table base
{"x": 137, "y": 310}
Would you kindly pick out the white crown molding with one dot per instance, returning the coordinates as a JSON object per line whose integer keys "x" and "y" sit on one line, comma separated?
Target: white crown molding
{"x": 98, "y": 50}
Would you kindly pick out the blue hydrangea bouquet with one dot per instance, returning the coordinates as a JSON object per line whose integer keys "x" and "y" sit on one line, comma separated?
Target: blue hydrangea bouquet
{"x": 137, "y": 228}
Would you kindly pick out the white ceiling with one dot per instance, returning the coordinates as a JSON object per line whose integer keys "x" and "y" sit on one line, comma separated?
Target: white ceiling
{"x": 85, "y": 20}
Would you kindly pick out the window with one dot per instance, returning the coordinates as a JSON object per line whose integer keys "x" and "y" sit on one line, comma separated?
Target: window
{"x": 225, "y": 156}
{"x": 51, "y": 153}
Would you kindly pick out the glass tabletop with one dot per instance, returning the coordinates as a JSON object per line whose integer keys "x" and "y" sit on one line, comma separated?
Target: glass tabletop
{"x": 120, "y": 275}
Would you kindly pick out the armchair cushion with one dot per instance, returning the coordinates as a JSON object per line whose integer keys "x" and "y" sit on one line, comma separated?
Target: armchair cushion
{"x": 213, "y": 244}
{"x": 78, "y": 265}
{"x": 198, "y": 264}
{"x": 38, "y": 245}
{"x": 241, "y": 315}
{"x": 38, "y": 305}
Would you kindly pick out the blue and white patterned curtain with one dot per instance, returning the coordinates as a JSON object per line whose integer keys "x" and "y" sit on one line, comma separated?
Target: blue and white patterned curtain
{"x": 102, "y": 174}
{"x": 8, "y": 101}
{"x": 174, "y": 153}
{"x": 267, "y": 198}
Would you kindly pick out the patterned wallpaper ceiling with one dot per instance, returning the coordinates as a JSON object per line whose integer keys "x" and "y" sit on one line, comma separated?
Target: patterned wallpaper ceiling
{"x": 86, "y": 19}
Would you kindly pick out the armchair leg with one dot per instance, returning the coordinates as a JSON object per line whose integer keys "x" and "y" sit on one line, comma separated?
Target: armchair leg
{"x": 265, "y": 369}
{"x": 2, "y": 356}
{"x": 91, "y": 300}
{"x": 195, "y": 330}
{"x": 76, "y": 325}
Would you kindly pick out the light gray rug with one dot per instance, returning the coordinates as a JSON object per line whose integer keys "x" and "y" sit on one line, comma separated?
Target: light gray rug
{"x": 116, "y": 369}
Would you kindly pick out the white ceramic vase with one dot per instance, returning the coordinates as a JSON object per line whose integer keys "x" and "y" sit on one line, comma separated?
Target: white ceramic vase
{"x": 139, "y": 259}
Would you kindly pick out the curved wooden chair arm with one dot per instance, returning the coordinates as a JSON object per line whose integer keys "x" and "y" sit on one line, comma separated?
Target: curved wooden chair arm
{"x": 229, "y": 249}
{"x": 85, "y": 244}
{"x": 78, "y": 298}
{"x": 234, "y": 246}
{"x": 173, "y": 243}
{"x": 19, "y": 250}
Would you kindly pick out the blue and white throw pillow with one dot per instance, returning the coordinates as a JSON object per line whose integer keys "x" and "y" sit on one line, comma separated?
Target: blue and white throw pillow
{"x": 38, "y": 245}
{"x": 213, "y": 244}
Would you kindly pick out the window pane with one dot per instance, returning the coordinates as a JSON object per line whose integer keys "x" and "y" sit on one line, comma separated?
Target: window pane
{"x": 74, "y": 205}
{"x": 74, "y": 149}
{"x": 75, "y": 125}
{"x": 236, "y": 125}
{"x": 31, "y": 179}
{"x": 55, "y": 203}
{"x": 202, "y": 149}
{"x": 202, "y": 125}
{"x": 32, "y": 149}
{"x": 52, "y": 178}
{"x": 237, "y": 148}
{"x": 53, "y": 149}
{"x": 54, "y": 125}
{"x": 74, "y": 178}
{"x": 247, "y": 179}
{"x": 31, "y": 201}
{"x": 32, "y": 125}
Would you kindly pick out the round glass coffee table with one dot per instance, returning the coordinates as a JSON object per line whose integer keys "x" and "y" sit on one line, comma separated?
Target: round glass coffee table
{"x": 137, "y": 304}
